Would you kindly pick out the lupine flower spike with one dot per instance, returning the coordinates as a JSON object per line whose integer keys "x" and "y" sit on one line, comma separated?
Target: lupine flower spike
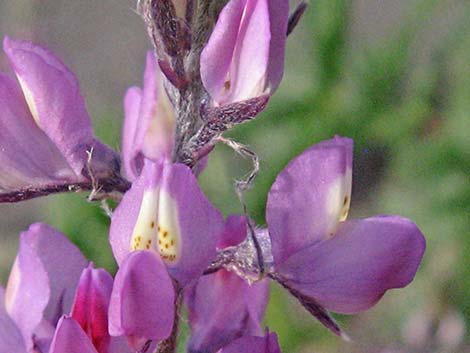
{"x": 215, "y": 65}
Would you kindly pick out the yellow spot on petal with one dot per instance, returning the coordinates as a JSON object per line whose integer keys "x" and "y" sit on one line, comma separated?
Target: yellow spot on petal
{"x": 338, "y": 201}
{"x": 157, "y": 223}
{"x": 345, "y": 208}
{"x": 169, "y": 240}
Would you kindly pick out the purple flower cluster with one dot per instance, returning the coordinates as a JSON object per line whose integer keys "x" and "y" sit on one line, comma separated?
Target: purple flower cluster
{"x": 172, "y": 246}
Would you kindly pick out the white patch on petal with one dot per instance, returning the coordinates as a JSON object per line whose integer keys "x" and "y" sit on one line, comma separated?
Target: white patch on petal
{"x": 28, "y": 95}
{"x": 13, "y": 285}
{"x": 169, "y": 235}
{"x": 145, "y": 231}
{"x": 338, "y": 201}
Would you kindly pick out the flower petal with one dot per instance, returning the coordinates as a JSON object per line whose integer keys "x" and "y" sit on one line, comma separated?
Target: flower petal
{"x": 351, "y": 271}
{"x": 149, "y": 121}
{"x": 140, "y": 197}
{"x": 279, "y": 18}
{"x": 216, "y": 57}
{"x": 11, "y": 340}
{"x": 27, "y": 293}
{"x": 166, "y": 211}
{"x": 132, "y": 102}
{"x": 27, "y": 155}
{"x": 157, "y": 118}
{"x": 223, "y": 307}
{"x": 309, "y": 197}
{"x": 90, "y": 307}
{"x": 244, "y": 56}
{"x": 142, "y": 301}
{"x": 253, "y": 344}
{"x": 69, "y": 337}
{"x": 44, "y": 277}
{"x": 234, "y": 233}
{"x": 200, "y": 224}
{"x": 54, "y": 100}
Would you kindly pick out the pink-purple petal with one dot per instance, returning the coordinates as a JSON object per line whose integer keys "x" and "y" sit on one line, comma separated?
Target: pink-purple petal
{"x": 140, "y": 110}
{"x": 132, "y": 102}
{"x": 27, "y": 155}
{"x": 54, "y": 96}
{"x": 69, "y": 337}
{"x": 42, "y": 282}
{"x": 250, "y": 58}
{"x": 234, "y": 233}
{"x": 279, "y": 17}
{"x": 126, "y": 214}
{"x": 90, "y": 307}
{"x": 55, "y": 103}
{"x": 223, "y": 307}
{"x": 181, "y": 205}
{"x": 11, "y": 340}
{"x": 306, "y": 200}
{"x": 200, "y": 223}
{"x": 351, "y": 271}
{"x": 142, "y": 301}
{"x": 63, "y": 263}
{"x": 157, "y": 120}
{"x": 216, "y": 57}
{"x": 244, "y": 57}
{"x": 28, "y": 292}
{"x": 149, "y": 121}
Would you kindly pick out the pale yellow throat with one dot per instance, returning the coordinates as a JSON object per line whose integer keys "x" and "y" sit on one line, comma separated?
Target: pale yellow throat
{"x": 157, "y": 226}
{"x": 338, "y": 201}
{"x": 28, "y": 95}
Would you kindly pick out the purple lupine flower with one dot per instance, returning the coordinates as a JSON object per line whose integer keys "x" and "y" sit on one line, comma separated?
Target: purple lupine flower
{"x": 328, "y": 262}
{"x": 254, "y": 344}
{"x": 46, "y": 139}
{"x": 223, "y": 306}
{"x": 165, "y": 214}
{"x": 165, "y": 211}
{"x": 86, "y": 328}
{"x": 244, "y": 57}
{"x": 149, "y": 122}
{"x": 40, "y": 289}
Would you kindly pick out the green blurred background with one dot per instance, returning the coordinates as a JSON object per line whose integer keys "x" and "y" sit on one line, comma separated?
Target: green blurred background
{"x": 392, "y": 74}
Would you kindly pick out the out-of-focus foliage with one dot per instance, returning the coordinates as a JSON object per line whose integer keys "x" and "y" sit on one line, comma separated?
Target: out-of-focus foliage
{"x": 409, "y": 117}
